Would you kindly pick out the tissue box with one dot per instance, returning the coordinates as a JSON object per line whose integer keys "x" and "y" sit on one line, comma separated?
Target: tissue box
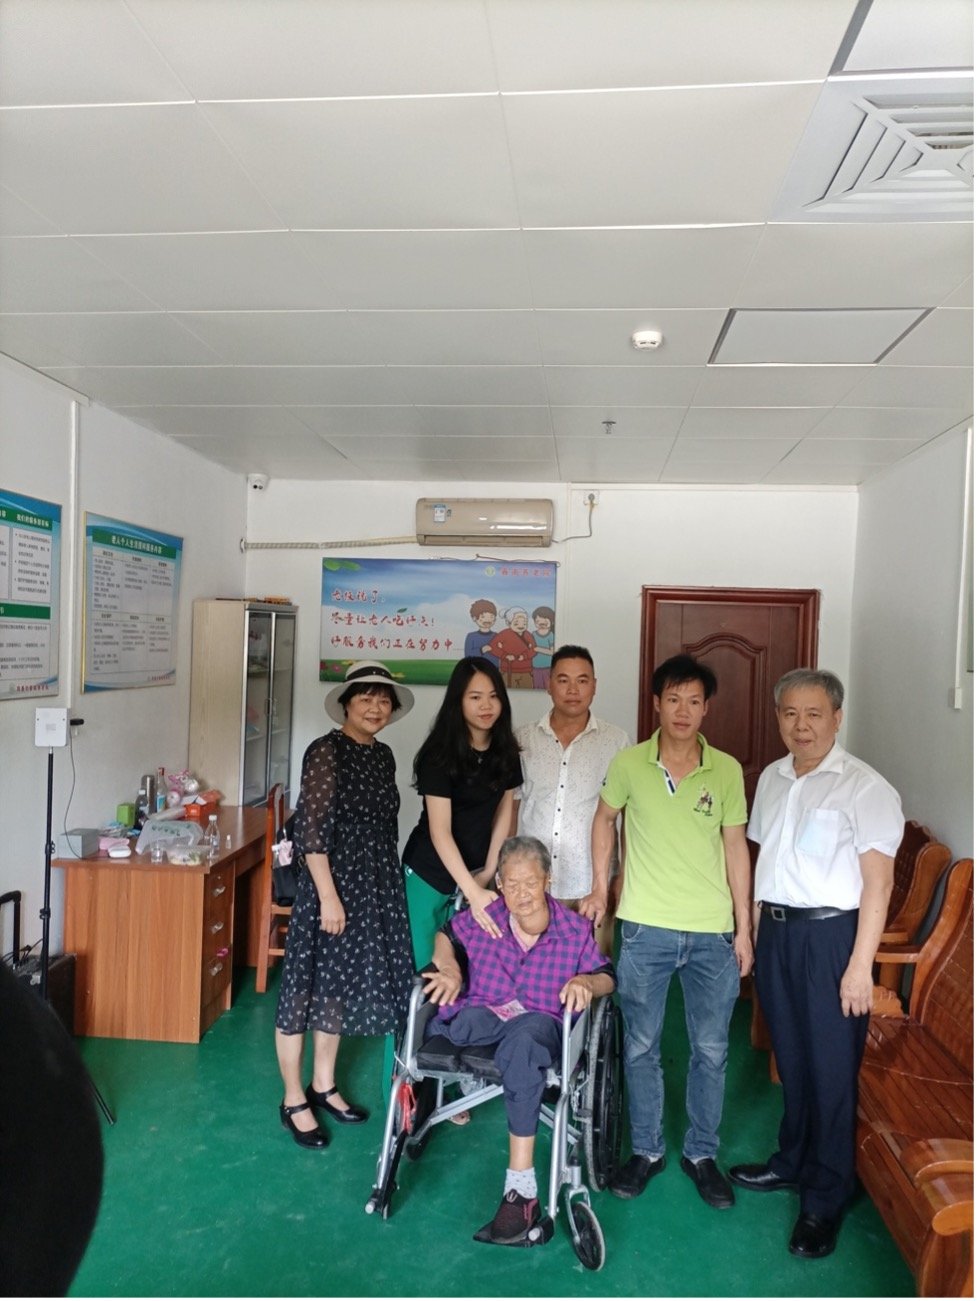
{"x": 80, "y": 841}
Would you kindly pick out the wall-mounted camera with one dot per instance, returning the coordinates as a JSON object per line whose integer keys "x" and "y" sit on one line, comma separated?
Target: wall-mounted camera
{"x": 258, "y": 482}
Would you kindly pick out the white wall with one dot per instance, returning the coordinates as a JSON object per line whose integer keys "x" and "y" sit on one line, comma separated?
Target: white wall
{"x": 907, "y": 577}
{"x": 642, "y": 535}
{"x": 129, "y": 473}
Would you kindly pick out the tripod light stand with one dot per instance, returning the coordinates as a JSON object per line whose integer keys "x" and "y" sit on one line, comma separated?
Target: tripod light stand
{"x": 48, "y": 729}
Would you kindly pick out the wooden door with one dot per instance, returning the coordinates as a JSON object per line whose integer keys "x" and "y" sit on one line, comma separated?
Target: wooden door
{"x": 749, "y": 637}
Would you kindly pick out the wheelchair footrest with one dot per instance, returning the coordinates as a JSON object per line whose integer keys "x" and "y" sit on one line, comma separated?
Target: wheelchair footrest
{"x": 535, "y": 1235}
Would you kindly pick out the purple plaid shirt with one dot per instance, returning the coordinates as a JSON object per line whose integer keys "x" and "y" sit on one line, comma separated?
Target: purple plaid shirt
{"x": 500, "y": 970}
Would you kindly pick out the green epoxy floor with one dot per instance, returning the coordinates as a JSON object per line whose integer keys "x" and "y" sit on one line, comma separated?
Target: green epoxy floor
{"x": 206, "y": 1195}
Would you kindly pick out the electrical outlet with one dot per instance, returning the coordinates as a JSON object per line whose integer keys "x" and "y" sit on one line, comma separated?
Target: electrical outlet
{"x": 591, "y": 497}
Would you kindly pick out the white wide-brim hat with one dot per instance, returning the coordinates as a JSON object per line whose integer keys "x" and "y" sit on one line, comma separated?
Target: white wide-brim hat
{"x": 368, "y": 673}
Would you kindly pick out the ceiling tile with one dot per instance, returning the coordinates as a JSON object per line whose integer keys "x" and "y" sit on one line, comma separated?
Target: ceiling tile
{"x": 819, "y": 337}
{"x": 108, "y": 339}
{"x": 244, "y": 423}
{"x": 920, "y": 423}
{"x": 624, "y": 158}
{"x": 819, "y": 476}
{"x": 851, "y": 451}
{"x": 366, "y": 447}
{"x": 776, "y": 386}
{"x": 890, "y": 37}
{"x": 304, "y": 338}
{"x": 756, "y": 452}
{"x": 639, "y": 268}
{"x": 231, "y": 385}
{"x": 216, "y": 272}
{"x": 470, "y": 385}
{"x": 504, "y": 338}
{"x": 944, "y": 338}
{"x": 116, "y": 170}
{"x": 621, "y": 43}
{"x": 297, "y": 456}
{"x": 487, "y": 421}
{"x": 80, "y": 52}
{"x": 638, "y": 386}
{"x": 914, "y": 386}
{"x": 962, "y": 296}
{"x": 463, "y": 471}
{"x": 630, "y": 423}
{"x": 388, "y": 163}
{"x": 750, "y": 422}
{"x": 58, "y": 275}
{"x": 421, "y": 268}
{"x": 613, "y": 459}
{"x": 878, "y": 264}
{"x": 343, "y": 47}
{"x": 18, "y": 218}
{"x": 581, "y": 337}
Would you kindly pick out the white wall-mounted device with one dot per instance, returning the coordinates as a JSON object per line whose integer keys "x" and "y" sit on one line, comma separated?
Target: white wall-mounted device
{"x": 477, "y": 521}
{"x": 257, "y": 482}
{"x": 645, "y": 339}
{"x": 50, "y": 727}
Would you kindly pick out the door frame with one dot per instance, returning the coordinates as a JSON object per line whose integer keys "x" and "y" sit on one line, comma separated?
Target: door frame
{"x": 807, "y": 600}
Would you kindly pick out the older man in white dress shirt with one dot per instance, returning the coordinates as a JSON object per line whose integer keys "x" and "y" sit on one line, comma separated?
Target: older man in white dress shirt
{"x": 828, "y": 827}
{"x": 565, "y": 757}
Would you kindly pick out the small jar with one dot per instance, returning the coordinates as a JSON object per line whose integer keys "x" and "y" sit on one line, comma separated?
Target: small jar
{"x": 157, "y": 852}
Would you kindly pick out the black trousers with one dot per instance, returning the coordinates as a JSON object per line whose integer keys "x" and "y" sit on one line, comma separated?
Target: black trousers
{"x": 799, "y": 965}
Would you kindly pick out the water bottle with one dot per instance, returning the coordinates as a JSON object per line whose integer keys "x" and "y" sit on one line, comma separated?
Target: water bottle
{"x": 212, "y": 838}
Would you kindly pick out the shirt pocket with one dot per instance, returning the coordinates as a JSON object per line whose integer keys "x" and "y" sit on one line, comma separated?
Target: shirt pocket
{"x": 819, "y": 832}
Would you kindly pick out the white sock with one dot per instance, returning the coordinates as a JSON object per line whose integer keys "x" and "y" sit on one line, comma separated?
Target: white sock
{"x": 523, "y": 1181}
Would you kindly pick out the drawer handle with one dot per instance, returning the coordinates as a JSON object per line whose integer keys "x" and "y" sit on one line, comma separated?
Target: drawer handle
{"x": 218, "y": 890}
{"x": 216, "y": 968}
{"x": 217, "y": 926}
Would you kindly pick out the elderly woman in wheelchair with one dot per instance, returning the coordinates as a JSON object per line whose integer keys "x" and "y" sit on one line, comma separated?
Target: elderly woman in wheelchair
{"x": 512, "y": 1023}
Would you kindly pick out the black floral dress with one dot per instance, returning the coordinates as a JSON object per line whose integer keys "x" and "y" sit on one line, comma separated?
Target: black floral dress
{"x": 357, "y": 983}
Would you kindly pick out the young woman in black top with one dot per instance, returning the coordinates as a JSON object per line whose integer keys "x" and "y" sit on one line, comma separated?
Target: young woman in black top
{"x": 466, "y": 773}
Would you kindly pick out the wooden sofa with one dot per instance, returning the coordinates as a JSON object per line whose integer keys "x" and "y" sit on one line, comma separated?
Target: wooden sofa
{"x": 920, "y": 863}
{"x": 915, "y": 1122}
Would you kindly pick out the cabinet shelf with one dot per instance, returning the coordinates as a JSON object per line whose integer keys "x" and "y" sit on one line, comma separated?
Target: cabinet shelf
{"x": 239, "y": 651}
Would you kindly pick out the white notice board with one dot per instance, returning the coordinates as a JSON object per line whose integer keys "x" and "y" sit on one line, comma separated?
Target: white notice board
{"x": 30, "y": 600}
{"x": 132, "y": 596}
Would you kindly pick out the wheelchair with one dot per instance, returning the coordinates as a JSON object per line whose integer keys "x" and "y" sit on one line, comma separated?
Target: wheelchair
{"x": 582, "y": 1105}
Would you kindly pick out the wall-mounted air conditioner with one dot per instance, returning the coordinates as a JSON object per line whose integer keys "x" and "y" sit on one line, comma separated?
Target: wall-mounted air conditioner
{"x": 481, "y": 521}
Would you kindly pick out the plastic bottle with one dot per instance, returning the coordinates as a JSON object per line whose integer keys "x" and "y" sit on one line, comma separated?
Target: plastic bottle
{"x": 212, "y": 837}
{"x": 160, "y": 790}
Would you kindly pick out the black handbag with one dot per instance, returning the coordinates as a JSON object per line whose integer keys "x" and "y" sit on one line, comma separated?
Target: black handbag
{"x": 284, "y": 867}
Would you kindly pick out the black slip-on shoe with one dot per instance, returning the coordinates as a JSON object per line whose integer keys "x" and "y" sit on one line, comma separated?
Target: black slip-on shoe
{"x": 632, "y": 1178}
{"x": 759, "y": 1178}
{"x": 710, "y": 1182}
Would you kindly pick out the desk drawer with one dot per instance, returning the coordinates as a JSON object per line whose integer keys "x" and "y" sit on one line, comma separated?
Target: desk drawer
{"x": 217, "y": 941}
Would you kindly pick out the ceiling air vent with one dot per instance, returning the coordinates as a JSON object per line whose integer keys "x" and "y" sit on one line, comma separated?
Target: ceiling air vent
{"x": 891, "y": 149}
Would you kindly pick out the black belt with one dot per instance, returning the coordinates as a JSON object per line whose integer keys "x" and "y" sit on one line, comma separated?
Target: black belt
{"x": 781, "y": 913}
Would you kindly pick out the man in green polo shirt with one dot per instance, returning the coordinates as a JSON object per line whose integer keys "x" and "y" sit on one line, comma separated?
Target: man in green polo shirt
{"x": 685, "y": 907}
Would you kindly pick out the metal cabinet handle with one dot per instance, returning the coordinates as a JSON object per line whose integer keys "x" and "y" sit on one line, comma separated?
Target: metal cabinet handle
{"x": 218, "y": 890}
{"x": 217, "y": 926}
{"x": 216, "y": 968}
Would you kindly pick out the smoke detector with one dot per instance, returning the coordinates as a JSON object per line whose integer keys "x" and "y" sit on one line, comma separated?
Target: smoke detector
{"x": 645, "y": 339}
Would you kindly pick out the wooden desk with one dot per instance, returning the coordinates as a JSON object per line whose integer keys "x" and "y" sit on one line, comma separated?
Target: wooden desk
{"x": 156, "y": 943}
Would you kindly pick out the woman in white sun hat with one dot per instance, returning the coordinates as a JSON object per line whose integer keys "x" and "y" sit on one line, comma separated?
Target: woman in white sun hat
{"x": 348, "y": 967}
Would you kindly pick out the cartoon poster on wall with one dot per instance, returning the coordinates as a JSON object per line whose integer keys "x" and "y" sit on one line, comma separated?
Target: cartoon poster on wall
{"x": 419, "y": 617}
{"x": 132, "y": 596}
{"x": 30, "y": 600}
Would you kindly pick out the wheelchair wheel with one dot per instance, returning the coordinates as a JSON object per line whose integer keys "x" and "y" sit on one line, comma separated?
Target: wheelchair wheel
{"x": 603, "y": 1095}
{"x": 588, "y": 1239}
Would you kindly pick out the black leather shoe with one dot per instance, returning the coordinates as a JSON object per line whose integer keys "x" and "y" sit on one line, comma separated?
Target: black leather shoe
{"x": 814, "y": 1236}
{"x": 632, "y": 1178}
{"x": 351, "y": 1116}
{"x": 313, "y": 1138}
{"x": 759, "y": 1178}
{"x": 709, "y": 1181}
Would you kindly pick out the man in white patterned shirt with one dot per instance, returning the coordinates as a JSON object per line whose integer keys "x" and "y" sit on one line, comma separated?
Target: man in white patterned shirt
{"x": 565, "y": 756}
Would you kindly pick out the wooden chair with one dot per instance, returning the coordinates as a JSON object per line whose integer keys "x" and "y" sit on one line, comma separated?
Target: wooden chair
{"x": 274, "y": 916}
{"x": 915, "y": 1105}
{"x": 920, "y": 863}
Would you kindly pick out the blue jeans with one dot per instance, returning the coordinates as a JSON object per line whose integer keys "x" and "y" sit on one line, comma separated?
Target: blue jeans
{"x": 709, "y": 975}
